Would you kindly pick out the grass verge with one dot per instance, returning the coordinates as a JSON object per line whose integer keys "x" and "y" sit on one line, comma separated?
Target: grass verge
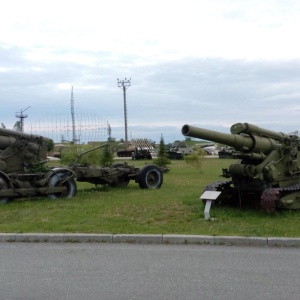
{"x": 175, "y": 208}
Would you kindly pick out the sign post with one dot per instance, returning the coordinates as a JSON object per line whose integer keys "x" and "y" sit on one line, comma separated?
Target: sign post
{"x": 209, "y": 196}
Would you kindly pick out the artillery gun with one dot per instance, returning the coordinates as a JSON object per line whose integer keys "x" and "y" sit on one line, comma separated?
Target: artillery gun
{"x": 178, "y": 150}
{"x": 268, "y": 174}
{"x": 119, "y": 174}
{"x": 22, "y": 173}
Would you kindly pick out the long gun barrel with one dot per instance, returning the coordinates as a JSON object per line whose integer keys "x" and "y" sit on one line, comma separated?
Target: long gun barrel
{"x": 8, "y": 137}
{"x": 18, "y": 150}
{"x": 242, "y": 139}
{"x": 253, "y": 129}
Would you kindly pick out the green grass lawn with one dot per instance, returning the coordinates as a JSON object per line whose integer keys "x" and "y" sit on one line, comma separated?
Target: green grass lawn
{"x": 174, "y": 208}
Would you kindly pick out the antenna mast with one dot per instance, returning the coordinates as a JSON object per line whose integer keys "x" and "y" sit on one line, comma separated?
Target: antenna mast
{"x": 73, "y": 118}
{"x": 109, "y": 132}
{"x": 124, "y": 85}
{"x": 22, "y": 117}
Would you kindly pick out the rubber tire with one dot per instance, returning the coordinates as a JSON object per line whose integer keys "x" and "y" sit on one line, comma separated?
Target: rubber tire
{"x": 150, "y": 177}
{"x": 55, "y": 180}
{"x": 3, "y": 185}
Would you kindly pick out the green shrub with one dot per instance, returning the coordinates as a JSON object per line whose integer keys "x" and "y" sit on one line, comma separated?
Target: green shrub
{"x": 68, "y": 155}
{"x": 102, "y": 156}
{"x": 195, "y": 159}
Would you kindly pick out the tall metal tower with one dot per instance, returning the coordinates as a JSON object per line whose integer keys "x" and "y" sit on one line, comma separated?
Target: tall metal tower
{"x": 74, "y": 139}
{"x": 124, "y": 85}
{"x": 22, "y": 117}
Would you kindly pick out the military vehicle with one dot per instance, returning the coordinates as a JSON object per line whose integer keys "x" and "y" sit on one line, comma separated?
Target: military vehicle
{"x": 226, "y": 152}
{"x": 139, "y": 153}
{"x": 22, "y": 171}
{"x": 178, "y": 150}
{"x": 137, "y": 149}
{"x": 268, "y": 174}
{"x": 119, "y": 174}
{"x": 125, "y": 153}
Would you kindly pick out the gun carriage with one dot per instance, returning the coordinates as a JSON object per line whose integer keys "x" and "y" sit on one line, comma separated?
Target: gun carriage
{"x": 23, "y": 173}
{"x": 268, "y": 173}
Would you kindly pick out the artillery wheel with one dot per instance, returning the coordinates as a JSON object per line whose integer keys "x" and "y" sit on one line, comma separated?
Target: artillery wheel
{"x": 57, "y": 180}
{"x": 150, "y": 177}
{"x": 3, "y": 186}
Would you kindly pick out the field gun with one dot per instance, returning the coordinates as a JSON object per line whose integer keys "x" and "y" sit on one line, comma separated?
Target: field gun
{"x": 120, "y": 173}
{"x": 22, "y": 170}
{"x": 23, "y": 173}
{"x": 268, "y": 174}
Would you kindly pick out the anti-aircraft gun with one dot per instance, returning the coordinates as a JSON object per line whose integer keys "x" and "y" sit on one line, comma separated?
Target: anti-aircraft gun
{"x": 268, "y": 174}
{"x": 22, "y": 170}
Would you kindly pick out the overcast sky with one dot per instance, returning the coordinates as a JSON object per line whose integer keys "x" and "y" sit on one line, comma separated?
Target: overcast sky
{"x": 209, "y": 63}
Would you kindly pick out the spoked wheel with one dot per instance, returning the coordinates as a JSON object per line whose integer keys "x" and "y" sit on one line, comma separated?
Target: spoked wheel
{"x": 150, "y": 177}
{"x": 3, "y": 186}
{"x": 60, "y": 180}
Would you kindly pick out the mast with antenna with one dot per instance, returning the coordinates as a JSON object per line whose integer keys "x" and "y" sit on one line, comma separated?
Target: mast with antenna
{"x": 74, "y": 139}
{"x": 22, "y": 117}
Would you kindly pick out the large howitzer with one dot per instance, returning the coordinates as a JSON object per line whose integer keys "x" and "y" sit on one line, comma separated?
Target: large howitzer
{"x": 268, "y": 174}
{"x": 22, "y": 169}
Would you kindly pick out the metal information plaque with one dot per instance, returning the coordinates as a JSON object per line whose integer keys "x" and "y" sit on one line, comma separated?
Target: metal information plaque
{"x": 209, "y": 196}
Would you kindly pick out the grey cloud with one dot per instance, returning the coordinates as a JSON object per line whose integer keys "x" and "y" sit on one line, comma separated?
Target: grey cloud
{"x": 212, "y": 93}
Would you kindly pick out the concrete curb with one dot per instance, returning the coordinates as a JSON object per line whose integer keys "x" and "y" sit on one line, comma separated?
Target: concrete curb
{"x": 150, "y": 239}
{"x": 137, "y": 238}
{"x": 188, "y": 239}
{"x": 284, "y": 242}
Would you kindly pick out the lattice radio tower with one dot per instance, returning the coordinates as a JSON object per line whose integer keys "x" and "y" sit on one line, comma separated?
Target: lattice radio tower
{"x": 124, "y": 85}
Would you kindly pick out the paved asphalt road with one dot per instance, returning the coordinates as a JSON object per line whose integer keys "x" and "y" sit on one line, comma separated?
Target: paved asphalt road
{"x": 45, "y": 271}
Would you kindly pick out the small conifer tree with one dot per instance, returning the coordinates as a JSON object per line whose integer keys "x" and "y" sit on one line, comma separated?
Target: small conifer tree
{"x": 162, "y": 157}
{"x": 107, "y": 157}
{"x": 50, "y": 145}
